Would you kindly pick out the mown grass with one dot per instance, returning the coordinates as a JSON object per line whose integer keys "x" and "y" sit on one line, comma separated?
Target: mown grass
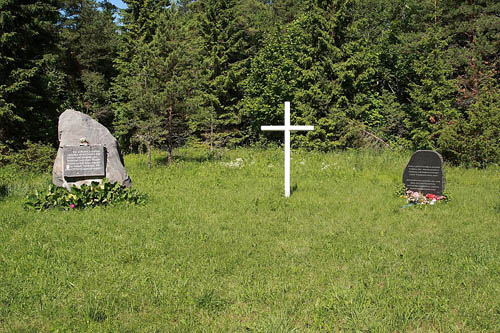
{"x": 218, "y": 248}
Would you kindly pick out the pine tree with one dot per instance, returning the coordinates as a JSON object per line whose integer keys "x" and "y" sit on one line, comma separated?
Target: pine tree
{"x": 473, "y": 29}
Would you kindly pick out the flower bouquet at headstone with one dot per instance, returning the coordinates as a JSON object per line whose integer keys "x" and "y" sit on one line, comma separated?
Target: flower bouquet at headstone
{"x": 418, "y": 198}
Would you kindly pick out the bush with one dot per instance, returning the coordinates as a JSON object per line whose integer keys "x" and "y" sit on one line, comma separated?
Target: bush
{"x": 86, "y": 196}
{"x": 473, "y": 140}
{"x": 36, "y": 157}
{"x": 4, "y": 188}
{"x": 5, "y": 154}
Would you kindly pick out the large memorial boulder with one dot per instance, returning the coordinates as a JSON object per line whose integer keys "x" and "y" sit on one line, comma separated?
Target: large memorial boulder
{"x": 87, "y": 153}
{"x": 424, "y": 172}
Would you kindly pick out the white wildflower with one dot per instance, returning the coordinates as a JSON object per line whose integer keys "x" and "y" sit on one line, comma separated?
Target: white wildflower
{"x": 237, "y": 163}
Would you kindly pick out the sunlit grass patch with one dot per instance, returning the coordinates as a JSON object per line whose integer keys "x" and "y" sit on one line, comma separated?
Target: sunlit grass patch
{"x": 218, "y": 248}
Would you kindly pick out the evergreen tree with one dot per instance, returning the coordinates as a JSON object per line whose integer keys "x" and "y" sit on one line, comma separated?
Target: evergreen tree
{"x": 172, "y": 62}
{"x": 31, "y": 84}
{"x": 473, "y": 139}
{"x": 227, "y": 46}
{"x": 91, "y": 42}
{"x": 300, "y": 66}
{"x": 473, "y": 28}
{"x": 155, "y": 78}
{"x": 135, "y": 88}
{"x": 432, "y": 90}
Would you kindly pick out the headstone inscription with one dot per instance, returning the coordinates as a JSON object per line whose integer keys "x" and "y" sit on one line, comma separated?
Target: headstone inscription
{"x": 87, "y": 153}
{"x": 424, "y": 172}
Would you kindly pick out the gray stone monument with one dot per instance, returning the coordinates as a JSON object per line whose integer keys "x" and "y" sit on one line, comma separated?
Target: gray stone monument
{"x": 424, "y": 172}
{"x": 87, "y": 153}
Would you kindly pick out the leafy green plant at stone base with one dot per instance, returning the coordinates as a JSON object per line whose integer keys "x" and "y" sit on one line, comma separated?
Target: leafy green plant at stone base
{"x": 86, "y": 196}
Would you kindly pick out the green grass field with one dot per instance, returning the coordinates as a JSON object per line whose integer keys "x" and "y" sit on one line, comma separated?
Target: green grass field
{"x": 218, "y": 248}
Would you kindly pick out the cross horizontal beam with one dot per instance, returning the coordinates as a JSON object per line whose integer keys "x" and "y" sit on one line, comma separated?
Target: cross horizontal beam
{"x": 287, "y": 128}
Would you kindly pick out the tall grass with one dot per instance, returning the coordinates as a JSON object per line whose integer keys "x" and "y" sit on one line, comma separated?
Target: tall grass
{"x": 218, "y": 248}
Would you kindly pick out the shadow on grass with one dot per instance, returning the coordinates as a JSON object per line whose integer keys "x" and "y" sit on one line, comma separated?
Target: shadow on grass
{"x": 197, "y": 158}
{"x": 4, "y": 191}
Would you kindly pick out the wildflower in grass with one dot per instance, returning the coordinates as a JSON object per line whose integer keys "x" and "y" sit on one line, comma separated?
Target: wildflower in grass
{"x": 72, "y": 206}
{"x": 237, "y": 163}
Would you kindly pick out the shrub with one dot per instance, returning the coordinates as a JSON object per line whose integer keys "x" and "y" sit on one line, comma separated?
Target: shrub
{"x": 4, "y": 188}
{"x": 473, "y": 140}
{"x": 86, "y": 196}
{"x": 5, "y": 154}
{"x": 36, "y": 157}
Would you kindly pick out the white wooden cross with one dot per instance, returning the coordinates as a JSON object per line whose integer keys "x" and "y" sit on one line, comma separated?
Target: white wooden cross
{"x": 287, "y": 128}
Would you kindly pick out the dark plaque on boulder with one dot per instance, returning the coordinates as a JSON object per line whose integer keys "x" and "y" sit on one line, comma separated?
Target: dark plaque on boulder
{"x": 424, "y": 172}
{"x": 84, "y": 161}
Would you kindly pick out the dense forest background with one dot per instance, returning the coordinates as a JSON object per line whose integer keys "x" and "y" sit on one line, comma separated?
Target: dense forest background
{"x": 408, "y": 74}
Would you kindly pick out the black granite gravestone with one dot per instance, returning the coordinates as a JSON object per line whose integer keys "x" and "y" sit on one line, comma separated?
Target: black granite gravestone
{"x": 84, "y": 161}
{"x": 424, "y": 172}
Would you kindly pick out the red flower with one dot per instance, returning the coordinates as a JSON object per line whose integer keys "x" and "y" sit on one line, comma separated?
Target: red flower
{"x": 430, "y": 196}
{"x": 72, "y": 206}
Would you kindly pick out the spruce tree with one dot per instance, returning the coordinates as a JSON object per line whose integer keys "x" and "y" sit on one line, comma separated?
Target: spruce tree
{"x": 155, "y": 78}
{"x": 90, "y": 41}
{"x": 31, "y": 82}
{"x": 173, "y": 67}
{"x": 135, "y": 88}
{"x": 226, "y": 47}
{"x": 299, "y": 66}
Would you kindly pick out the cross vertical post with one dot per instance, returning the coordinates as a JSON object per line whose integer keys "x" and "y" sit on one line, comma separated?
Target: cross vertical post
{"x": 287, "y": 128}
{"x": 287, "y": 149}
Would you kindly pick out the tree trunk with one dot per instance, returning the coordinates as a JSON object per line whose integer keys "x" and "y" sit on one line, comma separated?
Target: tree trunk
{"x": 170, "y": 118}
{"x": 211, "y": 132}
{"x": 148, "y": 144}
